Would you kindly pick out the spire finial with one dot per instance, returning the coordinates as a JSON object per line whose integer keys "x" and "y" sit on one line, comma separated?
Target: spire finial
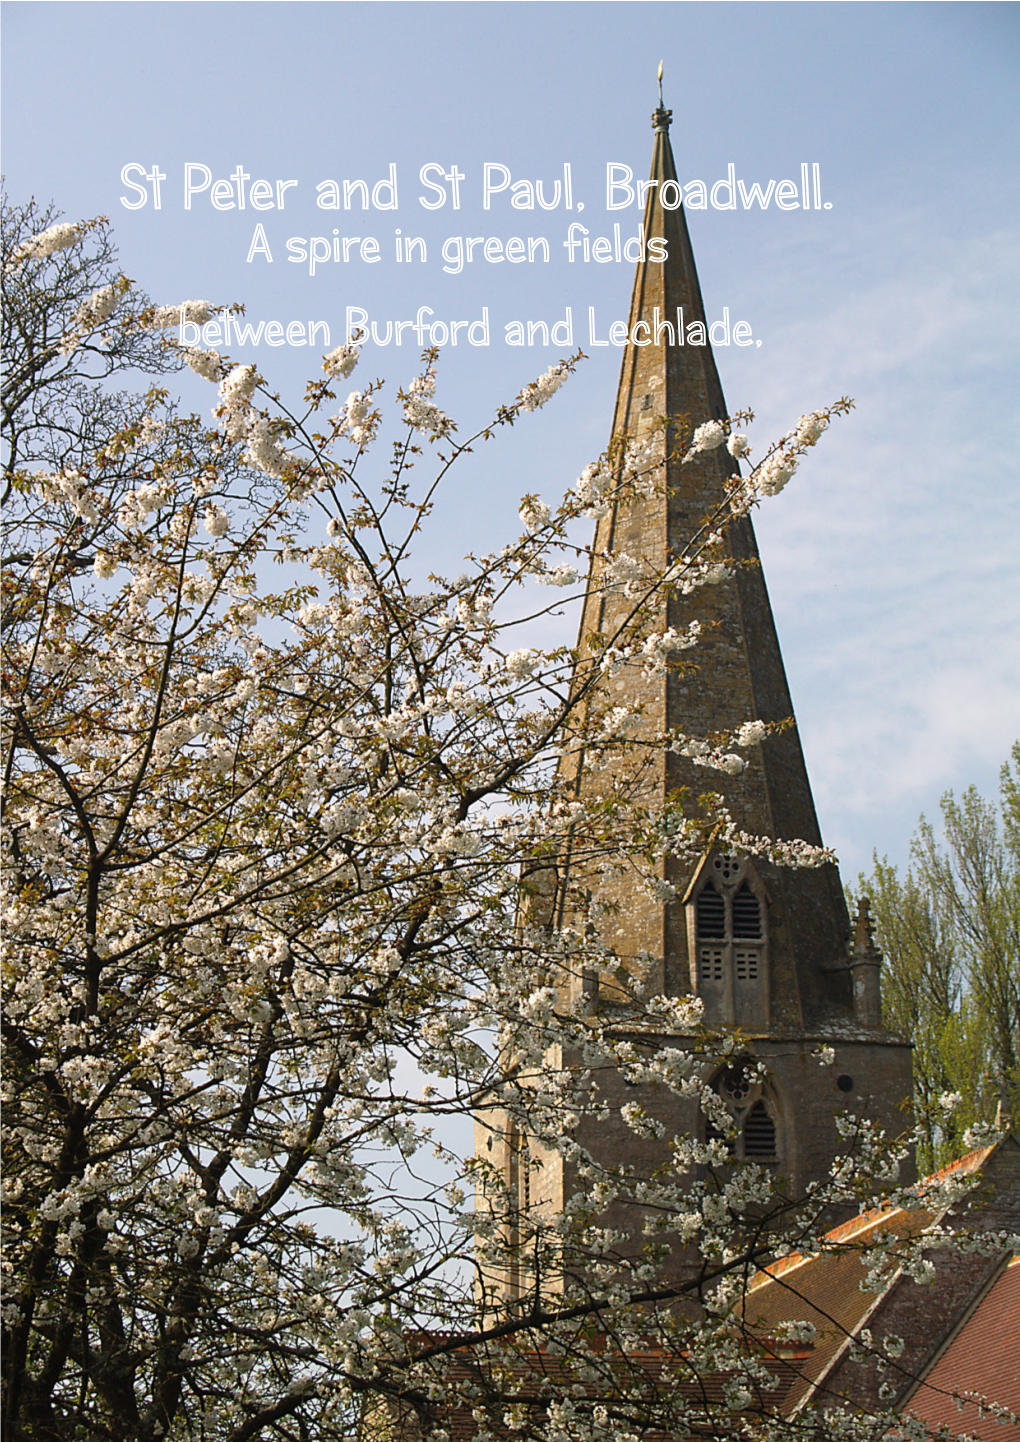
{"x": 662, "y": 116}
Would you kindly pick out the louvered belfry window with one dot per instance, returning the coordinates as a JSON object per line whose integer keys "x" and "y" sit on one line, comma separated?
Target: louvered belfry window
{"x": 759, "y": 1135}
{"x": 711, "y": 927}
{"x": 746, "y": 914}
{"x": 729, "y": 943}
{"x": 711, "y": 914}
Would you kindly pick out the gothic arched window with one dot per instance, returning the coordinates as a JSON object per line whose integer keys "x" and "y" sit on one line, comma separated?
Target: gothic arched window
{"x": 727, "y": 924}
{"x": 754, "y": 1111}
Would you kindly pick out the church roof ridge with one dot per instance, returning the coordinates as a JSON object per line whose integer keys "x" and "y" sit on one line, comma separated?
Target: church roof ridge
{"x": 854, "y": 1228}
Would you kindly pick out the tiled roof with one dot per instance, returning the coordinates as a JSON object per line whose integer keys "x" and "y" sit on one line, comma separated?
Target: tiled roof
{"x": 826, "y": 1288}
{"x": 982, "y": 1357}
{"x": 654, "y": 1380}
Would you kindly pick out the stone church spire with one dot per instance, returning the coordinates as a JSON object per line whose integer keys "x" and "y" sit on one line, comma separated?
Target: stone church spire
{"x": 802, "y": 975}
{"x": 767, "y": 948}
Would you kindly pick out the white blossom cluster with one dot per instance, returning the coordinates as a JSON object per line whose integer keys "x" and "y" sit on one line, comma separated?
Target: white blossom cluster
{"x": 714, "y": 756}
{"x": 594, "y": 484}
{"x": 658, "y": 647}
{"x": 341, "y": 361}
{"x": 48, "y": 242}
{"x": 238, "y": 386}
{"x": 242, "y": 423}
{"x": 264, "y": 450}
{"x": 216, "y": 521}
{"x": 150, "y": 430}
{"x": 236, "y": 390}
{"x": 562, "y": 575}
{"x": 776, "y": 469}
{"x": 624, "y": 572}
{"x": 359, "y": 420}
{"x": 653, "y": 653}
{"x": 791, "y": 1330}
{"x": 633, "y": 466}
{"x": 197, "y": 312}
{"x": 774, "y": 473}
{"x": 810, "y": 427}
{"x": 980, "y": 1134}
{"x": 707, "y": 437}
{"x": 728, "y": 761}
{"x": 751, "y": 733}
{"x": 137, "y": 505}
{"x": 69, "y": 487}
{"x": 420, "y": 411}
{"x": 640, "y": 1122}
{"x": 96, "y": 308}
{"x": 784, "y": 853}
{"x": 535, "y": 515}
{"x": 689, "y": 576}
{"x": 473, "y": 611}
{"x": 205, "y": 363}
{"x": 535, "y": 394}
{"x": 519, "y": 665}
{"x": 92, "y": 313}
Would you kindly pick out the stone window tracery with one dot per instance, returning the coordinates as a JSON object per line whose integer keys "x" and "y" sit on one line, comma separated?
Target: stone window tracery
{"x": 754, "y": 1110}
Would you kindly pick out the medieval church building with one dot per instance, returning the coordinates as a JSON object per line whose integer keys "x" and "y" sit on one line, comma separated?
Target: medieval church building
{"x": 770, "y": 950}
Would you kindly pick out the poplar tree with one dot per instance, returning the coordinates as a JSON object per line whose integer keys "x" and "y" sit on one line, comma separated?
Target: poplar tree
{"x": 950, "y": 931}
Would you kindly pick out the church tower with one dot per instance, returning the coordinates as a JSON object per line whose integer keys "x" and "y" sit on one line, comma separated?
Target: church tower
{"x": 768, "y": 949}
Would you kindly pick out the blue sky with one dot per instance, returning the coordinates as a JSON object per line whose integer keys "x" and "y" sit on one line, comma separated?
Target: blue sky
{"x": 891, "y": 560}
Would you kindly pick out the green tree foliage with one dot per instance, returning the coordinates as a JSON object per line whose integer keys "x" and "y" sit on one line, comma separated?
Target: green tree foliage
{"x": 950, "y": 931}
